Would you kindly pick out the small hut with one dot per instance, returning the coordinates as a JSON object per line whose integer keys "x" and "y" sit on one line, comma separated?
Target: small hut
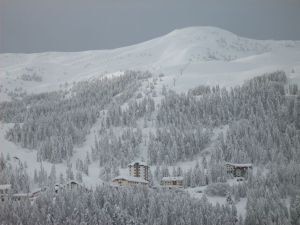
{"x": 5, "y": 189}
{"x": 238, "y": 170}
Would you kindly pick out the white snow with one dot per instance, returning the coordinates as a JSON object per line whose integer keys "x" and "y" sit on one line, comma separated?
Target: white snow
{"x": 5, "y": 186}
{"x": 171, "y": 178}
{"x": 138, "y": 162}
{"x": 198, "y": 192}
{"x": 131, "y": 178}
{"x": 239, "y": 164}
{"x": 188, "y": 57}
{"x": 30, "y": 157}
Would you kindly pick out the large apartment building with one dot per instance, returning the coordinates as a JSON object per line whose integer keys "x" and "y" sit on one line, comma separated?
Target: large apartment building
{"x": 139, "y": 169}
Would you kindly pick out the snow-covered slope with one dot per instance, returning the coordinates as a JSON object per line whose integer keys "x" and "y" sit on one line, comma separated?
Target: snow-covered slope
{"x": 188, "y": 57}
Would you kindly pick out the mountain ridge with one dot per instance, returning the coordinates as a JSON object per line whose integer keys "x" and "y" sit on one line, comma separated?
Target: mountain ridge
{"x": 175, "y": 32}
{"x": 191, "y": 51}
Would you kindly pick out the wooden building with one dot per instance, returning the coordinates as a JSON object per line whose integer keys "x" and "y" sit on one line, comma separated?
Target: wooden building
{"x": 21, "y": 196}
{"x": 172, "y": 182}
{"x": 69, "y": 185}
{"x": 238, "y": 170}
{"x": 5, "y": 190}
{"x": 139, "y": 169}
{"x": 129, "y": 181}
{"x": 72, "y": 185}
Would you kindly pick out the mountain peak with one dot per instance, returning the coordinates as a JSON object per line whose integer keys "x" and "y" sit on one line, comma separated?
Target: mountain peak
{"x": 201, "y": 30}
{"x": 190, "y": 47}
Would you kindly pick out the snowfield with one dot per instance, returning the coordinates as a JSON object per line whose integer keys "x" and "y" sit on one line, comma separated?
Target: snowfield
{"x": 188, "y": 57}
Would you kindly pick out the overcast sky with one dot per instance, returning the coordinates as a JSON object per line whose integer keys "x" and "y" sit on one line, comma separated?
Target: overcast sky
{"x": 74, "y": 25}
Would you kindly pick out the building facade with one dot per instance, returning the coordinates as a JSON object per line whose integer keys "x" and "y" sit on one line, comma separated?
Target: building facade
{"x": 5, "y": 190}
{"x": 129, "y": 181}
{"x": 238, "y": 170}
{"x": 72, "y": 185}
{"x": 172, "y": 182}
{"x": 139, "y": 169}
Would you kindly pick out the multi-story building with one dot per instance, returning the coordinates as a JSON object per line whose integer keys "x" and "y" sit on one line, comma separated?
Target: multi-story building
{"x": 138, "y": 175}
{"x": 139, "y": 169}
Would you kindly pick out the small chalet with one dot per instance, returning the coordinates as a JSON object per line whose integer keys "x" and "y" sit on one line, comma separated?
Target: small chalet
{"x": 72, "y": 185}
{"x": 21, "y": 196}
{"x": 129, "y": 181}
{"x": 69, "y": 185}
{"x": 172, "y": 182}
{"x": 4, "y": 191}
{"x": 238, "y": 170}
{"x": 36, "y": 192}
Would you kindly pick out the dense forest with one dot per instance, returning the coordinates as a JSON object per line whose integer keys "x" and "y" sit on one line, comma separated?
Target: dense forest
{"x": 260, "y": 123}
{"x": 263, "y": 117}
{"x": 54, "y": 122}
{"x": 110, "y": 206}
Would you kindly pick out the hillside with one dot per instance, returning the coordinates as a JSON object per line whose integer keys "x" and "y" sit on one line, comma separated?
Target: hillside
{"x": 186, "y": 103}
{"x": 191, "y": 56}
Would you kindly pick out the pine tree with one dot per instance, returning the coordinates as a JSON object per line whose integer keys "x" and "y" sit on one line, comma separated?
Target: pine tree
{"x": 79, "y": 176}
{"x": 229, "y": 199}
{"x": 295, "y": 210}
{"x": 61, "y": 179}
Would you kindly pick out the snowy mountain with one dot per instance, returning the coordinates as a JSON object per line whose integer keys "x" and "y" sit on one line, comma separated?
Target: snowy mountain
{"x": 189, "y": 57}
{"x": 167, "y": 101}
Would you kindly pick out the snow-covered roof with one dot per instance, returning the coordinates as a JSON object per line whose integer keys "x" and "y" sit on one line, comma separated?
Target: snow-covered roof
{"x": 36, "y": 190}
{"x": 5, "y": 186}
{"x": 171, "y": 178}
{"x": 141, "y": 163}
{"x": 72, "y": 182}
{"x": 240, "y": 164}
{"x": 21, "y": 195}
{"x": 131, "y": 178}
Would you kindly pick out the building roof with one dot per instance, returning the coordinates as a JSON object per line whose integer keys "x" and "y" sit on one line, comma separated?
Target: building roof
{"x": 141, "y": 163}
{"x": 72, "y": 182}
{"x": 37, "y": 190}
{"x": 21, "y": 195}
{"x": 171, "y": 178}
{"x": 130, "y": 178}
{"x": 239, "y": 164}
{"x": 5, "y": 186}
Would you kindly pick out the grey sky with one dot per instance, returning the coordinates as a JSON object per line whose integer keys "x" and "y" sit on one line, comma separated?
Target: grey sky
{"x": 75, "y": 25}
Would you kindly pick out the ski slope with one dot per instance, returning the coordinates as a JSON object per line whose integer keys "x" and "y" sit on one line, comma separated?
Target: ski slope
{"x": 188, "y": 57}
